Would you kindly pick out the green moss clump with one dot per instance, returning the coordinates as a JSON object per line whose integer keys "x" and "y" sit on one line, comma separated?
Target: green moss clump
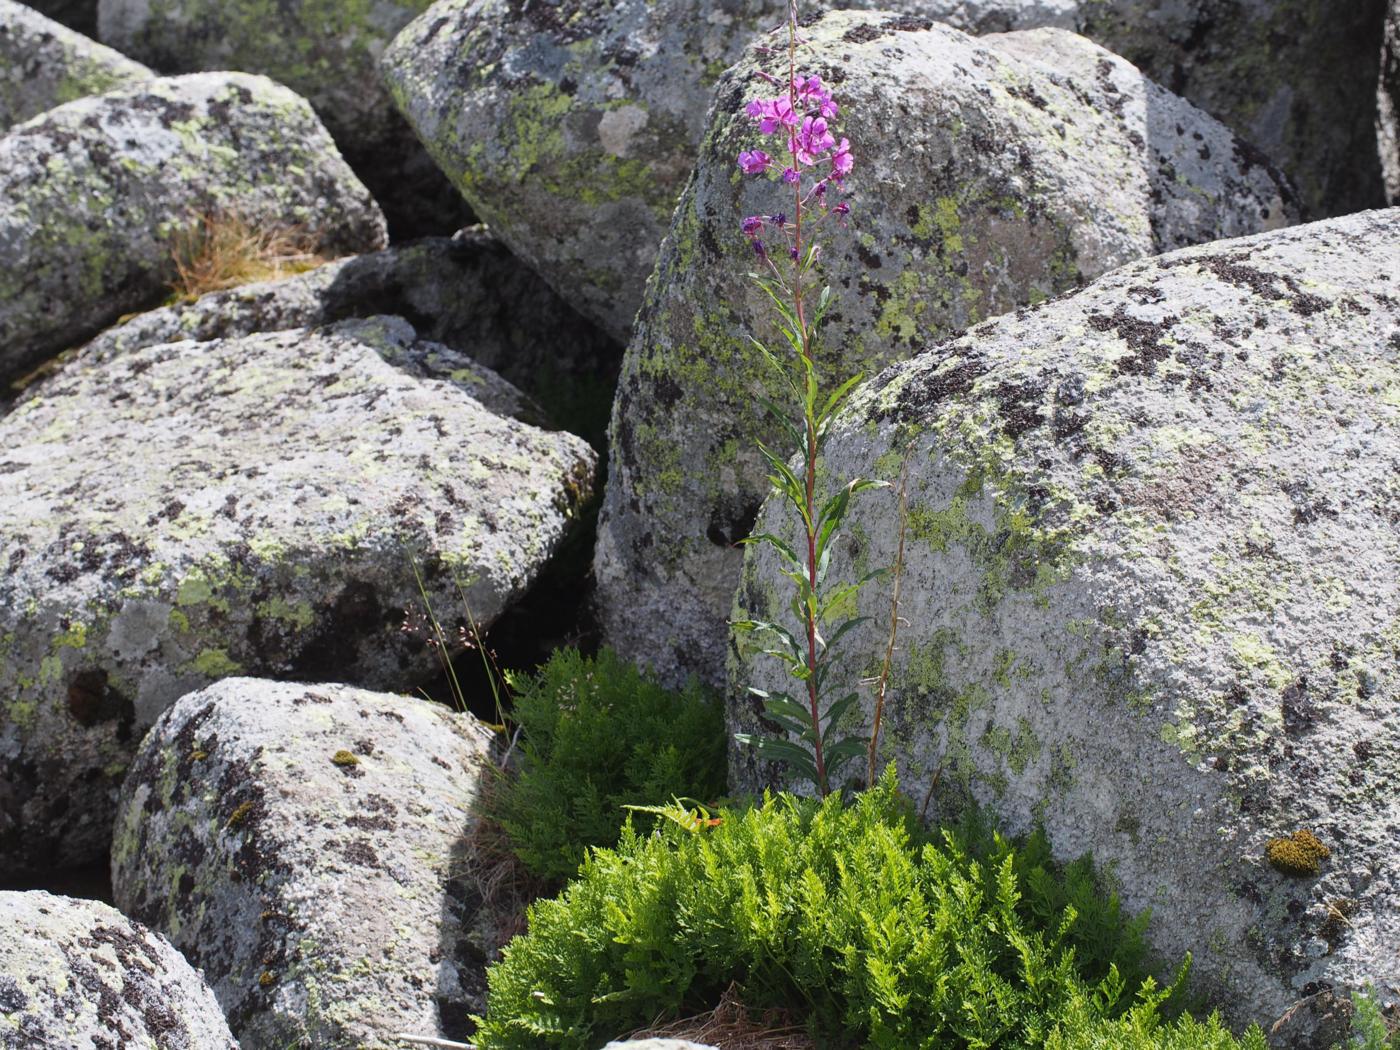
{"x": 848, "y": 916}
{"x": 238, "y": 816}
{"x": 1299, "y": 854}
{"x": 345, "y": 759}
{"x": 267, "y": 980}
{"x": 597, "y": 735}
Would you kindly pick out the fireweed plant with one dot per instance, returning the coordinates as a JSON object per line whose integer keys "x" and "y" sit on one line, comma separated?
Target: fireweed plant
{"x": 813, "y": 172}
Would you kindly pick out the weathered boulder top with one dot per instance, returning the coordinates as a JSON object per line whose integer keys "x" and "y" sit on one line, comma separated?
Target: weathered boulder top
{"x": 466, "y": 292}
{"x": 187, "y": 512}
{"x": 97, "y": 195}
{"x": 1297, "y": 78}
{"x": 77, "y": 973}
{"x": 44, "y": 64}
{"x": 327, "y": 52}
{"x": 301, "y": 845}
{"x": 571, "y": 127}
{"x": 1151, "y": 595}
{"x": 1037, "y": 160}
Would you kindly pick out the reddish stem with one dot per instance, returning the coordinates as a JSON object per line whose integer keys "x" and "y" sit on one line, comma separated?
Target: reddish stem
{"x": 799, "y": 310}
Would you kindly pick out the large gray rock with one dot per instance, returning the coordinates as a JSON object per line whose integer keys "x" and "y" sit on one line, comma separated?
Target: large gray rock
{"x": 44, "y": 64}
{"x": 303, "y": 844}
{"x": 468, "y": 293}
{"x": 571, "y": 128}
{"x": 258, "y": 505}
{"x": 1388, "y": 101}
{"x": 1151, "y": 597}
{"x": 1038, "y": 160}
{"x": 1294, "y": 77}
{"x": 76, "y": 973}
{"x": 327, "y": 52}
{"x": 95, "y": 196}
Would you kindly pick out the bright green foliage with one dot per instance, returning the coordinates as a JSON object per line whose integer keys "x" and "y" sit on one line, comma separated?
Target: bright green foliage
{"x": 841, "y": 913}
{"x": 1371, "y": 1031}
{"x": 597, "y": 735}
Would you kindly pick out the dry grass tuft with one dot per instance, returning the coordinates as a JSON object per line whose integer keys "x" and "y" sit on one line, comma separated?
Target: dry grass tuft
{"x": 492, "y": 872}
{"x": 222, "y": 250}
{"x": 730, "y": 1026}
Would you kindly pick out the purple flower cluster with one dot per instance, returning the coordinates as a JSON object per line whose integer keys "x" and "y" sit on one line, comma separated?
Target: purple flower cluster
{"x": 803, "y": 118}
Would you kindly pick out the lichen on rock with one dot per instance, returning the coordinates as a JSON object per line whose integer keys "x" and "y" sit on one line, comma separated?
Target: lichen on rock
{"x": 95, "y": 195}
{"x": 326, "y": 51}
{"x": 572, "y": 127}
{"x": 256, "y": 505}
{"x": 1037, "y": 160}
{"x": 77, "y": 973}
{"x": 1150, "y": 595}
{"x": 44, "y": 64}
{"x": 332, "y": 911}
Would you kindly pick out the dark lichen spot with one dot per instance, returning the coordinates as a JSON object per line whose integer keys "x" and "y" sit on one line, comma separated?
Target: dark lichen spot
{"x": 12, "y": 999}
{"x": 1300, "y": 854}
{"x": 1144, "y": 337}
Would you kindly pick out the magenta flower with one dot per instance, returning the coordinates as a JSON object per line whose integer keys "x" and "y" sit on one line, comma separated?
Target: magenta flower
{"x": 843, "y": 208}
{"x": 772, "y": 114}
{"x": 754, "y": 162}
{"x": 790, "y": 175}
{"x": 841, "y": 161}
{"x": 812, "y": 92}
{"x": 813, "y": 140}
{"x": 753, "y": 225}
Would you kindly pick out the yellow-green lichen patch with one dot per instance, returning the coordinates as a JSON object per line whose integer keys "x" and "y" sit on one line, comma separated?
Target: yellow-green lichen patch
{"x": 1299, "y": 854}
{"x": 214, "y": 663}
{"x": 239, "y": 816}
{"x": 345, "y": 759}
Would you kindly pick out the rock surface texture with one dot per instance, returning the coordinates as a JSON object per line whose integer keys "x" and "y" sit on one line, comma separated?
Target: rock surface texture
{"x": 327, "y": 52}
{"x": 1294, "y": 77}
{"x": 96, "y": 195}
{"x": 302, "y": 844}
{"x": 76, "y": 973}
{"x": 1037, "y": 160}
{"x": 44, "y": 64}
{"x": 1152, "y": 595}
{"x": 256, "y": 505}
{"x": 467, "y": 293}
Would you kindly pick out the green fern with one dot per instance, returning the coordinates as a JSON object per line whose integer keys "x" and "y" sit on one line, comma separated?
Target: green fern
{"x": 598, "y": 735}
{"x": 845, "y": 914}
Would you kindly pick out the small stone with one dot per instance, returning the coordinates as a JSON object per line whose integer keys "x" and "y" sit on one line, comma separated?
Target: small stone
{"x": 328, "y": 54}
